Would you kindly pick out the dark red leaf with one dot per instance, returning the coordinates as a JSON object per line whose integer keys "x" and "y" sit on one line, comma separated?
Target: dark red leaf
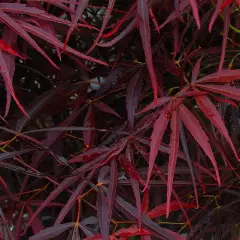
{"x": 130, "y": 232}
{"x": 134, "y": 89}
{"x": 210, "y": 111}
{"x": 89, "y": 136}
{"x": 194, "y": 127}
{"x": 156, "y": 138}
{"x": 144, "y": 28}
{"x": 174, "y": 145}
{"x": 105, "y": 108}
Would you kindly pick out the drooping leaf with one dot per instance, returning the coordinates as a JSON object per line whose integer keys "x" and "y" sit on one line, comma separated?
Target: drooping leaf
{"x": 174, "y": 145}
{"x": 194, "y": 127}
{"x": 133, "y": 92}
{"x": 156, "y": 138}
{"x": 195, "y": 11}
{"x": 215, "y": 14}
{"x": 144, "y": 28}
{"x": 130, "y": 232}
{"x": 36, "y": 223}
{"x": 210, "y": 111}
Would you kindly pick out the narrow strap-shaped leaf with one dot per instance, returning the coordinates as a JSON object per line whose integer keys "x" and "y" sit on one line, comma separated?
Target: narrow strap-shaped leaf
{"x": 81, "y": 5}
{"x": 228, "y": 91}
{"x": 134, "y": 89}
{"x": 105, "y": 108}
{"x": 156, "y": 138}
{"x": 52, "y": 232}
{"x": 21, "y": 32}
{"x": 194, "y": 127}
{"x": 47, "y": 37}
{"x": 196, "y": 70}
{"x": 106, "y": 17}
{"x": 161, "y": 101}
{"x": 78, "y": 192}
{"x": 210, "y": 111}
{"x": 195, "y": 11}
{"x": 190, "y": 164}
{"x": 7, "y": 155}
{"x": 130, "y": 27}
{"x": 160, "y": 210}
{"x": 215, "y": 14}
{"x": 227, "y": 14}
{"x": 174, "y": 145}
{"x": 144, "y": 28}
{"x": 224, "y": 76}
{"x": 89, "y": 136}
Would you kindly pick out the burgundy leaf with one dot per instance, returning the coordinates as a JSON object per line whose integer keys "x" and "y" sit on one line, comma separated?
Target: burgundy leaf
{"x": 145, "y": 201}
{"x": 48, "y": 37}
{"x": 89, "y": 136}
{"x": 105, "y": 108}
{"x": 196, "y": 70}
{"x": 106, "y": 17}
{"x": 227, "y": 14}
{"x": 21, "y": 32}
{"x": 161, "y": 101}
{"x": 210, "y": 111}
{"x": 130, "y": 232}
{"x": 195, "y": 11}
{"x": 215, "y": 14}
{"x": 79, "y": 11}
{"x": 88, "y": 155}
{"x": 174, "y": 145}
{"x": 156, "y": 138}
{"x": 228, "y": 91}
{"x": 194, "y": 127}
{"x": 36, "y": 224}
{"x": 224, "y": 76}
{"x": 133, "y": 93}
{"x": 144, "y": 28}
{"x": 52, "y": 232}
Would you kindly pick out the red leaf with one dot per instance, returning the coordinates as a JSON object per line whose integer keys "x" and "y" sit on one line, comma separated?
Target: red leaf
{"x": 210, "y": 111}
{"x": 10, "y": 38}
{"x": 3, "y": 182}
{"x": 174, "y": 206}
{"x": 36, "y": 223}
{"x": 227, "y": 13}
{"x": 130, "y": 232}
{"x": 224, "y": 76}
{"x": 75, "y": 195}
{"x": 145, "y": 201}
{"x": 130, "y": 27}
{"x": 106, "y": 17}
{"x": 133, "y": 92}
{"x": 156, "y": 138}
{"x": 228, "y": 91}
{"x": 105, "y": 108}
{"x": 175, "y": 14}
{"x": 5, "y": 47}
{"x": 194, "y": 127}
{"x": 215, "y": 14}
{"x": 79, "y": 11}
{"x": 8, "y": 83}
{"x": 47, "y": 37}
{"x": 89, "y": 136}
{"x": 88, "y": 155}
{"x": 196, "y": 70}
{"x": 161, "y": 101}
{"x": 195, "y": 11}
{"x": 174, "y": 145}
{"x": 144, "y": 28}
{"x": 21, "y": 32}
